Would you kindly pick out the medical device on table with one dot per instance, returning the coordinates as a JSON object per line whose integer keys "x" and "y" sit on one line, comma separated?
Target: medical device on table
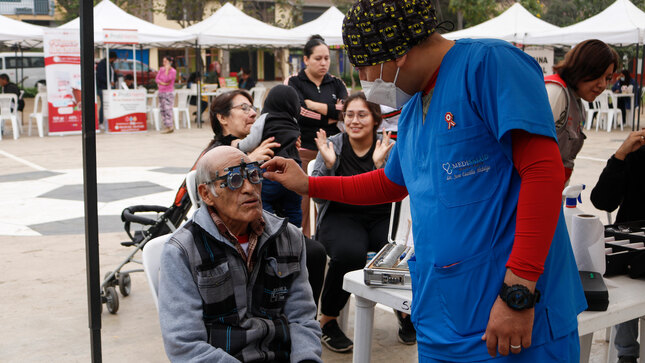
{"x": 389, "y": 267}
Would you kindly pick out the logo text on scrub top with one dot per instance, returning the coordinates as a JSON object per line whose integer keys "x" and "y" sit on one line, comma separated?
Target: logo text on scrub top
{"x": 463, "y": 168}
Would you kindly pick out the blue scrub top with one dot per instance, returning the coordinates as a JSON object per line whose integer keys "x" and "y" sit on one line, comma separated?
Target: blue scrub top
{"x": 457, "y": 167}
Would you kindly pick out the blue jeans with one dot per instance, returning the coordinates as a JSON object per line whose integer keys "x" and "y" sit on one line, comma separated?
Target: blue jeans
{"x": 281, "y": 201}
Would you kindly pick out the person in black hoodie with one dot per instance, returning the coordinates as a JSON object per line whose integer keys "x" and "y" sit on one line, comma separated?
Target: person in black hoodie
{"x": 278, "y": 120}
{"x": 621, "y": 184}
{"x": 320, "y": 95}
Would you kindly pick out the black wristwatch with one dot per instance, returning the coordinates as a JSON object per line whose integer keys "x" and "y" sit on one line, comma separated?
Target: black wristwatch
{"x": 518, "y": 297}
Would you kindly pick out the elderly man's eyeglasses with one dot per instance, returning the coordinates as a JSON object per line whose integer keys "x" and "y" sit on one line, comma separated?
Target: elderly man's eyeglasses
{"x": 246, "y": 107}
{"x": 362, "y": 116}
{"x": 234, "y": 175}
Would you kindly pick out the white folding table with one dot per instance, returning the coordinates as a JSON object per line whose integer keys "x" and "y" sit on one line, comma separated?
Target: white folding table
{"x": 626, "y": 302}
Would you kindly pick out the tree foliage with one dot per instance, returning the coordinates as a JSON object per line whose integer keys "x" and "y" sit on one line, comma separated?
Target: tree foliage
{"x": 472, "y": 12}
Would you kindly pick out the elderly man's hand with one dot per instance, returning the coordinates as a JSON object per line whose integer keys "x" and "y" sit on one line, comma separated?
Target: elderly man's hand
{"x": 508, "y": 327}
{"x": 288, "y": 173}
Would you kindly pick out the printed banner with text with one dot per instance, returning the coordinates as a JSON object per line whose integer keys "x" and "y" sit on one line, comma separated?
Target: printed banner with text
{"x": 125, "y": 110}
{"x": 63, "y": 75}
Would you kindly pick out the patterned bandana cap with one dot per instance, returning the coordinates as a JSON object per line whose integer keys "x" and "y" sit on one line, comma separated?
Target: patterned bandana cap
{"x": 377, "y": 31}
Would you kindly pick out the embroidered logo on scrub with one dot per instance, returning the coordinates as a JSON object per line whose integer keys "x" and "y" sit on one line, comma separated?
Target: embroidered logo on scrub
{"x": 464, "y": 168}
{"x": 450, "y": 119}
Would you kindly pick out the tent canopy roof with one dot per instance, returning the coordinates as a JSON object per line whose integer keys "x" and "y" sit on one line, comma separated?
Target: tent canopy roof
{"x": 511, "y": 25}
{"x": 17, "y": 32}
{"x": 329, "y": 25}
{"x": 230, "y": 27}
{"x": 109, "y": 16}
{"x": 620, "y": 23}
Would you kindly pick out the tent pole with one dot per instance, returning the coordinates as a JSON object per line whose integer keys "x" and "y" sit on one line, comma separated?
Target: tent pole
{"x": 637, "y": 97}
{"x": 134, "y": 64}
{"x": 637, "y": 89}
{"x": 89, "y": 178}
{"x": 198, "y": 79}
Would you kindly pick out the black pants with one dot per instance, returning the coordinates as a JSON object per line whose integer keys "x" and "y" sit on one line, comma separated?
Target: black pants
{"x": 347, "y": 239}
{"x": 101, "y": 116}
{"x": 193, "y": 101}
{"x": 316, "y": 260}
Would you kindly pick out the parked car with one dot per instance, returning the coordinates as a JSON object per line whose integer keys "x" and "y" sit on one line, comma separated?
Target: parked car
{"x": 145, "y": 74}
{"x": 30, "y": 67}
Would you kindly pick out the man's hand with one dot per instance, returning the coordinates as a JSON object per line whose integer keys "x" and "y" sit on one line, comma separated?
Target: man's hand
{"x": 508, "y": 327}
{"x": 288, "y": 173}
{"x": 634, "y": 141}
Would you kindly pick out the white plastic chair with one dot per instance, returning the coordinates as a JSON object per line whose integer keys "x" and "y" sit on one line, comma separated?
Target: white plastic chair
{"x": 606, "y": 113}
{"x": 152, "y": 109}
{"x": 9, "y": 111}
{"x": 191, "y": 186}
{"x": 41, "y": 88}
{"x": 183, "y": 96}
{"x": 151, "y": 258}
{"x": 313, "y": 206}
{"x": 258, "y": 97}
{"x": 40, "y": 113}
{"x": 591, "y": 112}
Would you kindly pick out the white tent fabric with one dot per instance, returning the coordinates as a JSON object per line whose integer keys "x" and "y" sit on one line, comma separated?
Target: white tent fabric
{"x": 329, "y": 25}
{"x": 17, "y": 32}
{"x": 511, "y": 25}
{"x": 109, "y": 16}
{"x": 620, "y": 23}
{"x": 230, "y": 27}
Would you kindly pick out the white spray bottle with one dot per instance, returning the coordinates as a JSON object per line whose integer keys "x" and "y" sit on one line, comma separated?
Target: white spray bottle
{"x": 572, "y": 195}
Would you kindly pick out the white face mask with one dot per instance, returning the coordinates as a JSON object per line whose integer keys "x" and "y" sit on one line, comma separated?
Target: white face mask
{"x": 385, "y": 93}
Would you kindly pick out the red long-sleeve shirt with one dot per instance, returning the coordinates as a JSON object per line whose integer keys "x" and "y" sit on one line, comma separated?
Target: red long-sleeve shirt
{"x": 537, "y": 160}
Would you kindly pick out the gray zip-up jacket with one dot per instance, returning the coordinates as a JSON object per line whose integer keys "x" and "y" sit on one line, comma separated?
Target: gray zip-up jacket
{"x": 182, "y": 289}
{"x": 320, "y": 169}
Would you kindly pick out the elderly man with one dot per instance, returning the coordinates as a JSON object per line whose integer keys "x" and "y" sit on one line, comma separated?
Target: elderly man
{"x": 233, "y": 282}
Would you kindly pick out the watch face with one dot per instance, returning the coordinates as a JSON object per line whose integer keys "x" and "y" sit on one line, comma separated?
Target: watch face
{"x": 517, "y": 299}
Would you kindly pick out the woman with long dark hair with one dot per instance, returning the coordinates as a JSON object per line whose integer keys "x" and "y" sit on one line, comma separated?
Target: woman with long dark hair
{"x": 347, "y": 231}
{"x": 321, "y": 96}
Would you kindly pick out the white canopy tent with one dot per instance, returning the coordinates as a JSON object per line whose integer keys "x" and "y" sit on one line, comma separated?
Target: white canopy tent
{"x": 229, "y": 27}
{"x": 512, "y": 25}
{"x": 17, "y": 32}
{"x": 107, "y": 15}
{"x": 620, "y": 23}
{"x": 329, "y": 25}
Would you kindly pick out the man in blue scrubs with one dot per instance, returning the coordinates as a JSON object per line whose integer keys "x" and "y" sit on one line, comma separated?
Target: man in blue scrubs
{"x": 477, "y": 153}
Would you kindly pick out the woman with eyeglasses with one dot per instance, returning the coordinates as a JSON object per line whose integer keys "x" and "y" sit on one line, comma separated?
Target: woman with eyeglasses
{"x": 320, "y": 96}
{"x": 232, "y": 114}
{"x": 348, "y": 232}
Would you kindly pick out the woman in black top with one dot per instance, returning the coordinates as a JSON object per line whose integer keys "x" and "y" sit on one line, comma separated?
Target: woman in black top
{"x": 320, "y": 96}
{"x": 621, "y": 185}
{"x": 348, "y": 232}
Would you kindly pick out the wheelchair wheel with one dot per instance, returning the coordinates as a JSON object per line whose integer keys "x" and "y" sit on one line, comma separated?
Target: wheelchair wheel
{"x": 125, "y": 284}
{"x": 111, "y": 300}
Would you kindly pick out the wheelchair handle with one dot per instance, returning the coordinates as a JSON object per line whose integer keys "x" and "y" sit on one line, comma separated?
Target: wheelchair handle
{"x": 128, "y": 214}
